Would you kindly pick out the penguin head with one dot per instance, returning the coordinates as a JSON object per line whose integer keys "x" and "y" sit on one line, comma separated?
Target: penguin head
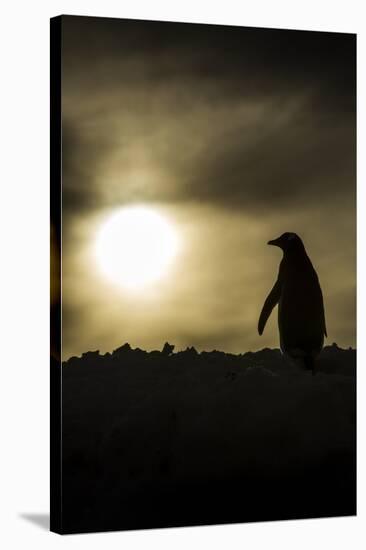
{"x": 288, "y": 242}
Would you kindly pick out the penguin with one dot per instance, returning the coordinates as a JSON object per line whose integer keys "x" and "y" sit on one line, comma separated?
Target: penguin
{"x": 301, "y": 317}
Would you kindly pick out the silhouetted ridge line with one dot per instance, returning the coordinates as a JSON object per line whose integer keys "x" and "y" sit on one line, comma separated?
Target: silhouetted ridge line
{"x": 333, "y": 359}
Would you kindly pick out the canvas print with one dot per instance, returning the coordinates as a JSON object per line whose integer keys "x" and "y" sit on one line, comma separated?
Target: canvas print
{"x": 203, "y": 274}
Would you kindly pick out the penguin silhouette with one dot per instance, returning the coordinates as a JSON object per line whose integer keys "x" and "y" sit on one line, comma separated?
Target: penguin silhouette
{"x": 301, "y": 318}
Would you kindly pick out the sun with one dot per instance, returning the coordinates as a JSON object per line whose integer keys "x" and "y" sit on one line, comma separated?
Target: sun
{"x": 135, "y": 247}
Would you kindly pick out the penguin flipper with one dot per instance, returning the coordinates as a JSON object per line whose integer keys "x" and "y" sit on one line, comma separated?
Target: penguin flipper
{"x": 324, "y": 326}
{"x": 271, "y": 301}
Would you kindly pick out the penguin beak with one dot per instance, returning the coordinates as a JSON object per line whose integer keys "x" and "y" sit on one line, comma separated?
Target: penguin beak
{"x": 275, "y": 242}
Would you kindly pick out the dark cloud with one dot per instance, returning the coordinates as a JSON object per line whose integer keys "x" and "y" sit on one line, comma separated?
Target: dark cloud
{"x": 302, "y": 159}
{"x": 82, "y": 151}
{"x": 250, "y": 57}
{"x": 134, "y": 86}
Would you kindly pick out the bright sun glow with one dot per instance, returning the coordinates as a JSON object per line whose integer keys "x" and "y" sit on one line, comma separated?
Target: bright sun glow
{"x": 135, "y": 247}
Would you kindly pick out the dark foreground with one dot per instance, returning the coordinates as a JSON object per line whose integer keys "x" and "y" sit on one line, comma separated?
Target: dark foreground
{"x": 161, "y": 439}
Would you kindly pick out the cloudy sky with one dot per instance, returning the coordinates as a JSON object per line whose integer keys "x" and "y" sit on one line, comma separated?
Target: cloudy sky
{"x": 236, "y": 135}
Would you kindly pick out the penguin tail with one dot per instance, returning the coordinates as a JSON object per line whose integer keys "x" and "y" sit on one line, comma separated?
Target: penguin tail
{"x": 310, "y": 364}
